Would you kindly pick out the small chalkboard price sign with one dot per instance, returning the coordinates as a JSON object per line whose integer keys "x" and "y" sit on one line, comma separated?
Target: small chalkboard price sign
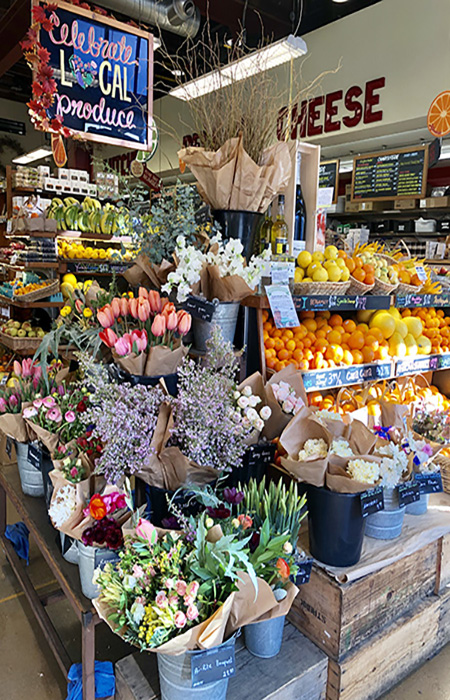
{"x": 258, "y": 454}
{"x": 304, "y": 572}
{"x": 34, "y": 455}
{"x": 8, "y": 447}
{"x": 212, "y": 665}
{"x": 199, "y": 308}
{"x": 429, "y": 483}
{"x": 329, "y": 176}
{"x": 372, "y": 501}
{"x": 408, "y": 493}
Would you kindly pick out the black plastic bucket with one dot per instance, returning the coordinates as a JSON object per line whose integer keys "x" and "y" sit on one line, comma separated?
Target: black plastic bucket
{"x": 157, "y": 499}
{"x": 254, "y": 466}
{"x": 244, "y": 225}
{"x": 336, "y": 526}
{"x": 120, "y": 376}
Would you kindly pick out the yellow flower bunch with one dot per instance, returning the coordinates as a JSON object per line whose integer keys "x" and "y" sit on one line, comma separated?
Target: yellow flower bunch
{"x": 65, "y": 311}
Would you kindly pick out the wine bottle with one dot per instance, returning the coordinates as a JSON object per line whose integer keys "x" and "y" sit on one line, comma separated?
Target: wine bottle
{"x": 266, "y": 231}
{"x": 279, "y": 232}
{"x": 299, "y": 237}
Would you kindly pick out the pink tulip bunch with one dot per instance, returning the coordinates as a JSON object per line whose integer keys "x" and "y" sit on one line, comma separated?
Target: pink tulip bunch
{"x": 147, "y": 320}
{"x": 27, "y": 369}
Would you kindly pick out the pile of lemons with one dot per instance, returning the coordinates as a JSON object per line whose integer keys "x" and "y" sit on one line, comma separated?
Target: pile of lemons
{"x": 328, "y": 266}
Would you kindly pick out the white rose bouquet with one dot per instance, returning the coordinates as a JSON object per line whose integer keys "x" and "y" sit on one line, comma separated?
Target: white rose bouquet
{"x": 245, "y": 411}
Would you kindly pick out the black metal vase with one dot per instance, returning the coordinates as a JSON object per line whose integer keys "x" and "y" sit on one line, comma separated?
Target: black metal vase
{"x": 244, "y": 225}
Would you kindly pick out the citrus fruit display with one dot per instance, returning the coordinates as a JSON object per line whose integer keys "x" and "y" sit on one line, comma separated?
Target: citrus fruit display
{"x": 438, "y": 119}
{"x": 328, "y": 266}
{"x": 325, "y": 340}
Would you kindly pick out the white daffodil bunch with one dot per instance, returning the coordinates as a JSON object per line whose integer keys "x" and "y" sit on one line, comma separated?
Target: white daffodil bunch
{"x": 393, "y": 464}
{"x": 227, "y": 257}
{"x": 341, "y": 448}
{"x": 63, "y": 505}
{"x": 245, "y": 410}
{"x": 364, "y": 471}
{"x": 315, "y": 448}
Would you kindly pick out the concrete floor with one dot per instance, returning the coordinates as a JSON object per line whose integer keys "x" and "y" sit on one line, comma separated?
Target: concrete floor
{"x": 28, "y": 670}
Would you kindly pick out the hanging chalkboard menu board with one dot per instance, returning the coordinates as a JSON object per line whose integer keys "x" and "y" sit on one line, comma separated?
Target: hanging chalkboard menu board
{"x": 390, "y": 175}
{"x": 329, "y": 176}
{"x": 104, "y": 76}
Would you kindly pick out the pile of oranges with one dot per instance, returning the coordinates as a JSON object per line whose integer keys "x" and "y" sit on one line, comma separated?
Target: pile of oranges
{"x": 322, "y": 340}
{"x": 361, "y": 271}
{"x": 436, "y": 327}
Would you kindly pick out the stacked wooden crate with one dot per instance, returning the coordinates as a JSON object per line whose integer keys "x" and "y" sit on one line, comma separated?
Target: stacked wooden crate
{"x": 379, "y": 628}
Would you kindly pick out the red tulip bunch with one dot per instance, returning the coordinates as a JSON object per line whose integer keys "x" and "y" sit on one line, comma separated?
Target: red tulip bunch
{"x": 134, "y": 325}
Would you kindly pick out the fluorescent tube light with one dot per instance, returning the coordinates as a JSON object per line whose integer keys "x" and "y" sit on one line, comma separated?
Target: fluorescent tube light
{"x": 37, "y": 154}
{"x": 265, "y": 58}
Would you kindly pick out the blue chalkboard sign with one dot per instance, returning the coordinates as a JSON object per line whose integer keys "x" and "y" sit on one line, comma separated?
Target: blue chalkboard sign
{"x": 104, "y": 75}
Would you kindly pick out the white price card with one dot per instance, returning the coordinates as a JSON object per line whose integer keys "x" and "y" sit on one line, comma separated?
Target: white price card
{"x": 282, "y": 306}
{"x": 421, "y": 274}
{"x": 325, "y": 197}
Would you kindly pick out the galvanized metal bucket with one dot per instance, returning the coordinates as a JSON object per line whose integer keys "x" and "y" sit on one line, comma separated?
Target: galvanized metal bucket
{"x": 89, "y": 559}
{"x": 419, "y": 507}
{"x": 263, "y": 639}
{"x": 386, "y": 524}
{"x": 69, "y": 548}
{"x": 30, "y": 476}
{"x": 176, "y": 681}
{"x": 225, "y": 316}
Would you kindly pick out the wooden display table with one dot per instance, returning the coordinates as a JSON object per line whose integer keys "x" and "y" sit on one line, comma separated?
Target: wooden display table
{"x": 299, "y": 671}
{"x": 379, "y": 627}
{"x": 34, "y": 514}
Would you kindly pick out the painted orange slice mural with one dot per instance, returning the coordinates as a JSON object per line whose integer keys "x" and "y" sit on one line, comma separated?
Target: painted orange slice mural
{"x": 438, "y": 120}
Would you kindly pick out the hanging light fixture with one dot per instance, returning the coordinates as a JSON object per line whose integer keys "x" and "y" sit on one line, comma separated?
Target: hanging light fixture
{"x": 269, "y": 57}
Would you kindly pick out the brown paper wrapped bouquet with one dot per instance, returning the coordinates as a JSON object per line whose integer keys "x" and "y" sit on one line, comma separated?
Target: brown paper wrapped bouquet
{"x": 144, "y": 334}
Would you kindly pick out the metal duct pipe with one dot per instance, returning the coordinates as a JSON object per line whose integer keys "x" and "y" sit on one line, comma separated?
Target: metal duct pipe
{"x": 178, "y": 16}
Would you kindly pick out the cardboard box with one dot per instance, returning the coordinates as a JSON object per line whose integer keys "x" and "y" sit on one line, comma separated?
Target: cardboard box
{"x": 372, "y": 206}
{"x": 351, "y": 207}
{"x": 63, "y": 173}
{"x": 406, "y": 204}
{"x": 437, "y": 202}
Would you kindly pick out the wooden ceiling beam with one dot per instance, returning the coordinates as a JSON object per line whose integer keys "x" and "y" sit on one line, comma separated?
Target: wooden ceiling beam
{"x": 13, "y": 27}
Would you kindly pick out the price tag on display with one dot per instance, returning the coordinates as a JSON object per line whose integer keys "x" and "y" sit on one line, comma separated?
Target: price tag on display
{"x": 421, "y": 274}
{"x": 282, "y": 306}
{"x": 282, "y": 272}
{"x": 199, "y": 308}
{"x": 408, "y": 493}
{"x": 372, "y": 501}
{"x": 34, "y": 455}
{"x": 430, "y": 483}
{"x": 304, "y": 572}
{"x": 212, "y": 665}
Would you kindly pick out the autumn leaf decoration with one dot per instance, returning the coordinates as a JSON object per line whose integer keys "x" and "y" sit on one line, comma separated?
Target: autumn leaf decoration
{"x": 44, "y": 85}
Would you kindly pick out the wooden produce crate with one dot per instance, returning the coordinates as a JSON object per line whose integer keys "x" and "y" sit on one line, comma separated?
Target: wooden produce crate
{"x": 392, "y": 654}
{"x": 340, "y": 617}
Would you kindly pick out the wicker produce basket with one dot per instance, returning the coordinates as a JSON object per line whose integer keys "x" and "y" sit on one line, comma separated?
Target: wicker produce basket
{"x": 404, "y": 289}
{"x": 43, "y": 293}
{"x": 444, "y": 463}
{"x": 358, "y": 288}
{"x": 16, "y": 344}
{"x": 383, "y": 289}
{"x": 320, "y": 288}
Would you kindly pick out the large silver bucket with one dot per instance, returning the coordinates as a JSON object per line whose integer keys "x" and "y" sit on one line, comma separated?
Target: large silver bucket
{"x": 176, "y": 681}
{"x": 225, "y": 316}
{"x": 386, "y": 524}
{"x": 30, "y": 476}
{"x": 89, "y": 558}
{"x": 418, "y": 507}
